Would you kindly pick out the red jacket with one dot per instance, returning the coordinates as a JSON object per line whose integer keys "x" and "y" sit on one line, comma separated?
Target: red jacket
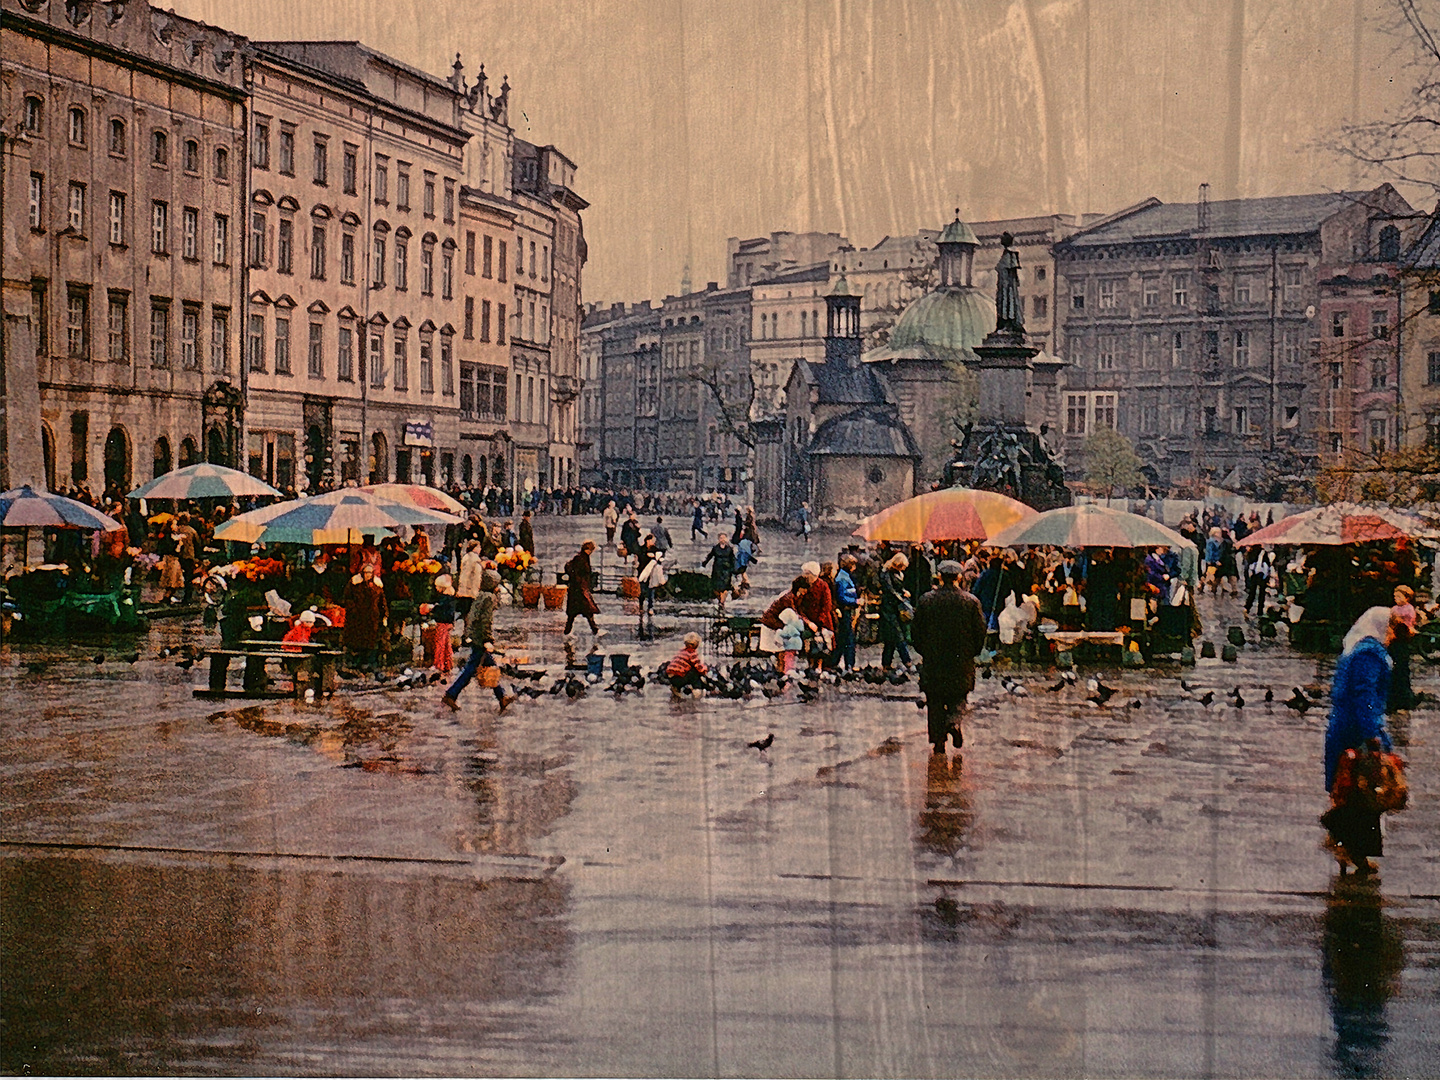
{"x": 686, "y": 661}
{"x": 818, "y": 605}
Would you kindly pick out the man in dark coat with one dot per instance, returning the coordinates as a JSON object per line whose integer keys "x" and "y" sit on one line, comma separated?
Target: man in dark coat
{"x": 366, "y": 617}
{"x": 527, "y": 533}
{"x": 579, "y": 594}
{"x": 949, "y": 632}
{"x": 722, "y": 555}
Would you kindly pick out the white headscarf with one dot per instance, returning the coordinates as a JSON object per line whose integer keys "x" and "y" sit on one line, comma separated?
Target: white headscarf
{"x": 1374, "y": 623}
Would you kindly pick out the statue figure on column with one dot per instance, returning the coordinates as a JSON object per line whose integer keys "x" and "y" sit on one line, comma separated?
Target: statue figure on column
{"x": 1009, "y": 304}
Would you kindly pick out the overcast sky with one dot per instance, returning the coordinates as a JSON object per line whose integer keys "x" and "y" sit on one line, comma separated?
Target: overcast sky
{"x": 694, "y": 120}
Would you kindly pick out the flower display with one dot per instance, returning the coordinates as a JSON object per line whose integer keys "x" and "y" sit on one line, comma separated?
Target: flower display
{"x": 258, "y": 568}
{"x": 516, "y": 558}
{"x": 417, "y": 564}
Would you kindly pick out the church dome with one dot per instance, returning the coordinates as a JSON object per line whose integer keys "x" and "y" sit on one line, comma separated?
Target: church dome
{"x": 945, "y": 324}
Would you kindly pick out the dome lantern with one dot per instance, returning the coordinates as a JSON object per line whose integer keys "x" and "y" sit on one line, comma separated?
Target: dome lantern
{"x": 957, "y": 246}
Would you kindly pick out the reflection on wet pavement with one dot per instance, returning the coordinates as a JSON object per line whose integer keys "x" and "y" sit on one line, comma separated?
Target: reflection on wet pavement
{"x": 374, "y": 885}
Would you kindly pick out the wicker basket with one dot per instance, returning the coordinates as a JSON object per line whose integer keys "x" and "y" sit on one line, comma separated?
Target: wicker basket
{"x": 630, "y": 588}
{"x": 555, "y": 596}
{"x": 530, "y": 593}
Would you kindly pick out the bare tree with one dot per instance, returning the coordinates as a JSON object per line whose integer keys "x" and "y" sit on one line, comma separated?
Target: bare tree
{"x": 1405, "y": 145}
{"x": 915, "y": 282}
{"x": 732, "y": 412}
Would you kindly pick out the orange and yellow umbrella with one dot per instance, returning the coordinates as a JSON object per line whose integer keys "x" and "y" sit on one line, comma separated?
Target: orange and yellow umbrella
{"x": 951, "y": 514}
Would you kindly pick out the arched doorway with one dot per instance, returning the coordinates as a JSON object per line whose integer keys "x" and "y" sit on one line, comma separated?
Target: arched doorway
{"x": 117, "y": 459}
{"x": 47, "y": 454}
{"x": 162, "y": 456}
{"x": 215, "y": 447}
{"x": 467, "y": 470}
{"x": 379, "y": 458}
{"x": 189, "y": 452}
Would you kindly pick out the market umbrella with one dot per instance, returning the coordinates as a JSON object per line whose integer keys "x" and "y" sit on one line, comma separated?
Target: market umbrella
{"x": 427, "y": 498}
{"x": 203, "y": 481}
{"x": 1089, "y": 526}
{"x": 24, "y": 508}
{"x": 1342, "y": 523}
{"x": 951, "y": 514}
{"x": 339, "y": 517}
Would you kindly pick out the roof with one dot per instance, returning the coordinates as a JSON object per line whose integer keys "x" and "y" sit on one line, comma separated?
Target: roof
{"x": 1424, "y": 254}
{"x": 815, "y": 272}
{"x": 945, "y": 324}
{"x": 842, "y": 288}
{"x": 957, "y": 232}
{"x": 1227, "y": 217}
{"x": 869, "y": 431}
{"x": 841, "y": 384}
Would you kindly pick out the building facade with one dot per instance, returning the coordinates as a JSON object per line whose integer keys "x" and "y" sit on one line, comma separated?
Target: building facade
{"x": 787, "y": 324}
{"x": 124, "y": 282}
{"x": 1418, "y": 331}
{"x": 763, "y": 257}
{"x": 726, "y": 393}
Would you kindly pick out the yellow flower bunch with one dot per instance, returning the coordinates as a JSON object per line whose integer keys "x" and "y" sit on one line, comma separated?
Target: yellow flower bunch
{"x": 516, "y": 558}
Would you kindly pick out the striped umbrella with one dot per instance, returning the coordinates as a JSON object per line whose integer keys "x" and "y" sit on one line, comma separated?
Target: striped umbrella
{"x": 203, "y": 481}
{"x": 1089, "y": 526}
{"x": 1342, "y": 523}
{"x": 427, "y": 498}
{"x": 25, "y": 508}
{"x": 951, "y": 514}
{"x": 339, "y": 517}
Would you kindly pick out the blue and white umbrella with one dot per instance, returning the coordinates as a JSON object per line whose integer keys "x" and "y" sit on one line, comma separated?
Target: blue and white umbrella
{"x": 26, "y": 508}
{"x": 338, "y": 517}
{"x": 203, "y": 481}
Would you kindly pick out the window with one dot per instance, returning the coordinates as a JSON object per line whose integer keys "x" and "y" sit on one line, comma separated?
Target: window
{"x": 1242, "y": 420}
{"x": 222, "y": 240}
{"x": 447, "y": 366}
{"x": 317, "y": 351}
{"x": 469, "y": 252}
{"x": 1212, "y": 346}
{"x": 545, "y": 276}
{"x": 39, "y": 304}
{"x": 1150, "y": 291}
{"x": 117, "y": 136}
{"x": 447, "y": 275}
{"x": 1150, "y": 350}
{"x": 487, "y": 254}
{"x": 349, "y": 168}
{"x": 37, "y": 200}
{"x": 1242, "y": 348}
{"x": 1389, "y": 244}
{"x": 427, "y": 269}
{"x": 1291, "y": 286}
{"x": 1337, "y": 376}
{"x": 382, "y": 178}
{"x": 159, "y": 148}
{"x": 282, "y": 344}
{"x": 260, "y": 149}
{"x": 1105, "y": 410}
{"x": 287, "y": 151}
{"x": 1041, "y": 306}
{"x": 532, "y": 258}
{"x": 159, "y": 333}
{"x": 1107, "y": 294}
{"x": 1432, "y": 369}
{"x": 469, "y": 318}
{"x": 1290, "y": 346}
{"x": 192, "y": 156}
{"x": 190, "y": 233}
{"x": 160, "y": 227}
{"x": 402, "y": 186}
{"x": 222, "y": 163}
{"x": 75, "y": 218}
{"x": 285, "y": 245}
{"x": 1149, "y": 419}
{"x": 257, "y": 239}
{"x": 1242, "y": 288}
{"x": 467, "y": 392}
{"x": 347, "y": 259}
{"x": 499, "y": 406}
{"x": 377, "y": 275}
{"x": 1105, "y": 355}
{"x": 256, "y": 347}
{"x": 519, "y": 263}
{"x": 504, "y": 266}
{"x": 449, "y": 201}
{"x": 34, "y": 115}
{"x": 345, "y": 355}
{"x": 427, "y": 364}
{"x": 1379, "y": 434}
{"x": 320, "y": 161}
{"x": 500, "y": 323}
{"x": 485, "y": 320}
{"x": 220, "y": 342}
{"x": 190, "y": 338}
{"x": 118, "y": 327}
{"x": 1432, "y": 430}
{"x": 402, "y": 263}
{"x": 377, "y": 361}
{"x": 402, "y": 362}
{"x": 1077, "y": 297}
{"x": 77, "y": 126}
{"x": 1180, "y": 290}
{"x": 1379, "y": 373}
{"x": 429, "y": 196}
{"x": 1339, "y": 323}
{"x": 77, "y": 321}
{"x": 1075, "y": 414}
{"x": 1379, "y": 324}
{"x": 317, "y": 252}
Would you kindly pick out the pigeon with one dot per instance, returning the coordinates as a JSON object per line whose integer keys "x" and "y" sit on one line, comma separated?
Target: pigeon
{"x": 1060, "y": 685}
{"x": 1070, "y": 677}
{"x": 987, "y": 674}
{"x": 809, "y": 692}
{"x": 186, "y": 664}
{"x": 166, "y": 653}
{"x": 1188, "y": 687}
{"x": 1133, "y": 704}
{"x": 1238, "y": 701}
{"x": 1269, "y": 696}
{"x": 99, "y": 658}
{"x": 1014, "y": 687}
{"x": 1298, "y": 702}
{"x": 1102, "y": 692}
{"x": 1207, "y": 698}
{"x": 131, "y": 658}
{"x": 763, "y": 744}
{"x": 35, "y": 667}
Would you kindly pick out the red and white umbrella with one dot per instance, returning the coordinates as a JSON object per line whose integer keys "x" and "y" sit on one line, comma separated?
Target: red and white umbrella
{"x": 1342, "y": 523}
{"x": 426, "y": 498}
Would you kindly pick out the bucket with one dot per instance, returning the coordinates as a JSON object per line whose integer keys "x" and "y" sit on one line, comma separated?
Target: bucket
{"x": 530, "y": 592}
{"x": 619, "y": 662}
{"x": 554, "y": 597}
{"x": 595, "y": 665}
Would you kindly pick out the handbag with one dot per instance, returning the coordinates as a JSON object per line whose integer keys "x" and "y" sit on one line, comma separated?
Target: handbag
{"x": 907, "y": 611}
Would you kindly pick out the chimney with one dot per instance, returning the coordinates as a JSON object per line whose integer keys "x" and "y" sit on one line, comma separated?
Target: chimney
{"x": 1202, "y": 208}
{"x": 711, "y": 286}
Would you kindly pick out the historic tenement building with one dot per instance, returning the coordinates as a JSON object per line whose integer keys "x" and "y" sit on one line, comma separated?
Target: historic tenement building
{"x": 726, "y": 392}
{"x": 625, "y": 411}
{"x": 1418, "y": 334}
{"x": 1194, "y": 329}
{"x": 787, "y": 315}
{"x": 124, "y": 188}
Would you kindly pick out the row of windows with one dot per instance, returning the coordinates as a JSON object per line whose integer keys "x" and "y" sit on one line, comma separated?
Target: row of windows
{"x": 118, "y": 225}
{"x": 164, "y": 350}
{"x": 1246, "y": 288}
{"x": 117, "y": 139}
{"x": 1379, "y": 324}
{"x": 359, "y": 353}
{"x": 1158, "y": 349}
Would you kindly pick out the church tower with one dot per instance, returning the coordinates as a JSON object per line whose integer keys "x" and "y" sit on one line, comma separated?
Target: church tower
{"x": 842, "y": 325}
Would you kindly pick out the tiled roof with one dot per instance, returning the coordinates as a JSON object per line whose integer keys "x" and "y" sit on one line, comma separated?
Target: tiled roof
{"x": 1424, "y": 254}
{"x": 817, "y": 272}
{"x": 1227, "y": 217}
{"x": 841, "y": 384}
{"x": 869, "y": 431}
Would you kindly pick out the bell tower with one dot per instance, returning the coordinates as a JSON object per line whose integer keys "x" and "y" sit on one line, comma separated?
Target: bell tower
{"x": 842, "y": 325}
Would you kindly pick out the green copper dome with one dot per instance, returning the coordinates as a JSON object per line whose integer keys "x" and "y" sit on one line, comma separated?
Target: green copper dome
{"x": 945, "y": 324}
{"x": 957, "y": 232}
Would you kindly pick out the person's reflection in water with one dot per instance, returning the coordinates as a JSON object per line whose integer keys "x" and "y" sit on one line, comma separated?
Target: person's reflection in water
{"x": 946, "y": 817}
{"x": 1363, "y": 956}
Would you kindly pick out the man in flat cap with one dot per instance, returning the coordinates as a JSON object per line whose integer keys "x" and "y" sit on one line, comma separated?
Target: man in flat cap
{"x": 949, "y": 632}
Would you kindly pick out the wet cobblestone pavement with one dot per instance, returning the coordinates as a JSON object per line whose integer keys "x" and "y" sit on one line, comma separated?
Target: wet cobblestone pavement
{"x": 622, "y": 887}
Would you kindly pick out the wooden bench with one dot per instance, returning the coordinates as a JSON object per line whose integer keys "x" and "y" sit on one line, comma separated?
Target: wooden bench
{"x": 312, "y": 666}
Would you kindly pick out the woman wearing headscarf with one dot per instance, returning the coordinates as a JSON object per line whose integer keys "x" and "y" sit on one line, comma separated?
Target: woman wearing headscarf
{"x": 771, "y": 622}
{"x": 1357, "y": 716}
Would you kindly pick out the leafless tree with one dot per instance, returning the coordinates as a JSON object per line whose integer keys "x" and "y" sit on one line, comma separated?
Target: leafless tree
{"x": 732, "y": 412}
